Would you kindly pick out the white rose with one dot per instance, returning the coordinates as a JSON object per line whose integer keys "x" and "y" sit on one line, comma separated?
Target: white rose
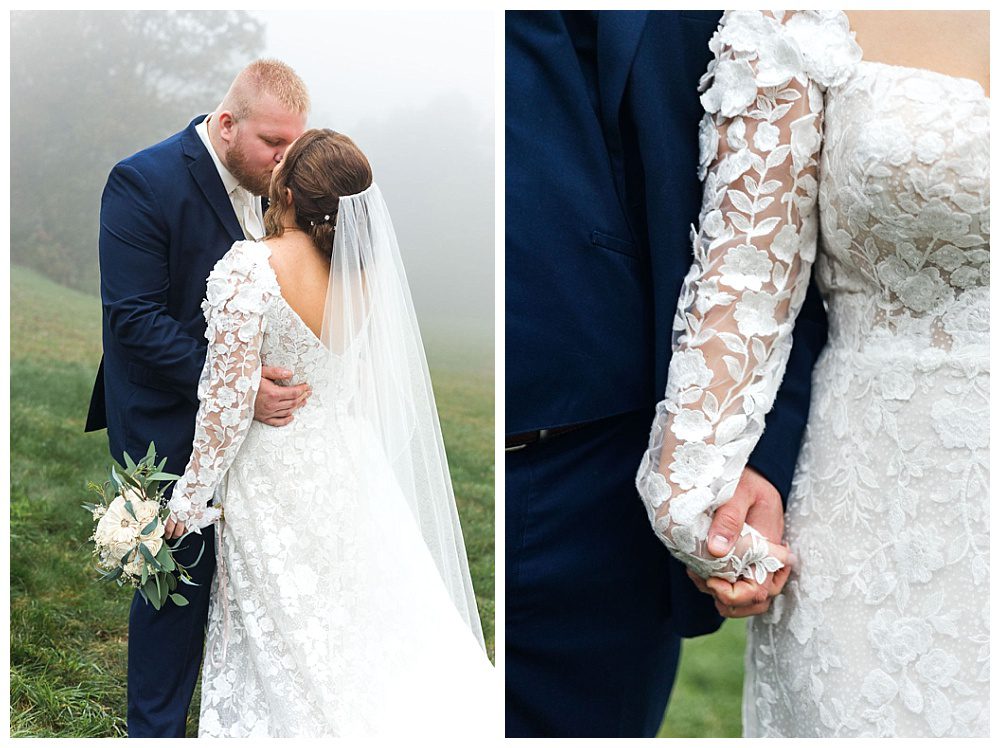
{"x": 743, "y": 30}
{"x": 655, "y": 489}
{"x": 219, "y": 289}
{"x": 713, "y": 223}
{"x": 778, "y": 61}
{"x": 766, "y": 137}
{"x": 827, "y": 45}
{"x": 924, "y": 290}
{"x": 755, "y": 314}
{"x": 688, "y": 369}
{"x": 786, "y": 244}
{"x": 691, "y": 425}
{"x": 938, "y": 667}
{"x": 745, "y": 266}
{"x": 898, "y": 640}
{"x": 733, "y": 88}
{"x": 696, "y": 464}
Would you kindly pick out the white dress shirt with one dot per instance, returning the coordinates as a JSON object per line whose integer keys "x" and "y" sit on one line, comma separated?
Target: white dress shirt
{"x": 246, "y": 205}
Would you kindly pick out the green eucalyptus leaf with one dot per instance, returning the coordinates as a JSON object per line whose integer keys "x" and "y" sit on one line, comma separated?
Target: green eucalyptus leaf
{"x": 151, "y": 592}
{"x": 164, "y": 476}
{"x": 178, "y": 600}
{"x": 167, "y": 563}
{"x": 150, "y": 527}
{"x": 195, "y": 562}
{"x": 147, "y": 554}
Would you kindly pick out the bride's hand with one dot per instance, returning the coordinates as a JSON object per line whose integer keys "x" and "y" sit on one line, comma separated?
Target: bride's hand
{"x": 172, "y": 529}
{"x": 745, "y": 597}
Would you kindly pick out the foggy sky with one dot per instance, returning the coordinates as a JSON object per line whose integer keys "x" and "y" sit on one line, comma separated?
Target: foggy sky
{"x": 416, "y": 92}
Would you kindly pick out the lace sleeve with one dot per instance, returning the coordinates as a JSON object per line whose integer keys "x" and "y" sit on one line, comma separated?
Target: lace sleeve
{"x": 236, "y": 299}
{"x": 760, "y": 141}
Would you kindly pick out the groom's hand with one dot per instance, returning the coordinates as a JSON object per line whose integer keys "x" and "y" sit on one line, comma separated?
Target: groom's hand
{"x": 275, "y": 403}
{"x": 757, "y": 503}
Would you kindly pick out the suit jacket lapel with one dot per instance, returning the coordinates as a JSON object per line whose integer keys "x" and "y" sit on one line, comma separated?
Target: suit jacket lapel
{"x": 618, "y": 34}
{"x": 202, "y": 168}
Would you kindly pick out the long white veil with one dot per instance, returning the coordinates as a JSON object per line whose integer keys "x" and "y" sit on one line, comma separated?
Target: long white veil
{"x": 370, "y": 326}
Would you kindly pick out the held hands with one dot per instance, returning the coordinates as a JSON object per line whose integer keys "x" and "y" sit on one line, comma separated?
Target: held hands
{"x": 757, "y": 503}
{"x": 275, "y": 403}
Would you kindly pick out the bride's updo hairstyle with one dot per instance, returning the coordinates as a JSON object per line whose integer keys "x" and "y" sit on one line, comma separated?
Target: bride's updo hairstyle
{"x": 319, "y": 168}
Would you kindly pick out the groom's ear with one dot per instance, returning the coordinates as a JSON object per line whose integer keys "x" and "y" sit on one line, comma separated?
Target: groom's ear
{"x": 227, "y": 125}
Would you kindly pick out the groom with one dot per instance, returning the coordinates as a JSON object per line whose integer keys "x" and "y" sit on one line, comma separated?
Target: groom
{"x": 602, "y": 118}
{"x": 168, "y": 214}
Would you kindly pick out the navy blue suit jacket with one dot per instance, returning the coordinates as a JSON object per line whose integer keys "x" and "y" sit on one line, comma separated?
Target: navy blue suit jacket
{"x": 602, "y": 189}
{"x": 165, "y": 221}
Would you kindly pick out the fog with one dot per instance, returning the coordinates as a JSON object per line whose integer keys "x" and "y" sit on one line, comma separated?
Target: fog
{"x": 414, "y": 90}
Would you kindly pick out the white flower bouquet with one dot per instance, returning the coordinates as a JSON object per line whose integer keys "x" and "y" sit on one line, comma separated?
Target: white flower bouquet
{"x": 128, "y": 534}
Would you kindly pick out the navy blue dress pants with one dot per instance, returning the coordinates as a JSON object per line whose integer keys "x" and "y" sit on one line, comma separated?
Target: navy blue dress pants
{"x": 165, "y": 648}
{"x": 589, "y": 646}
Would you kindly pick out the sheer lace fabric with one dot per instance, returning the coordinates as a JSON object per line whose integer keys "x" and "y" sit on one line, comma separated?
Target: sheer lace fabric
{"x": 756, "y": 242}
{"x": 883, "y": 626}
{"x": 328, "y": 614}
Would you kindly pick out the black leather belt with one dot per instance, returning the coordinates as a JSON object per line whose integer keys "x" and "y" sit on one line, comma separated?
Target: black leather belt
{"x": 520, "y": 441}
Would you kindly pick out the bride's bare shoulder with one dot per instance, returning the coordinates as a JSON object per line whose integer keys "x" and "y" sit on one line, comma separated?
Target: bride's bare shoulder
{"x": 952, "y": 42}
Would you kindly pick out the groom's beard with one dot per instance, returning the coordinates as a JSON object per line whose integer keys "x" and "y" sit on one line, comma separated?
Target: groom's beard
{"x": 258, "y": 183}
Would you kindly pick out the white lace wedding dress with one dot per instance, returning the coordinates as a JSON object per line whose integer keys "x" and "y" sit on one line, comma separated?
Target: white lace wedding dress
{"x": 879, "y": 174}
{"x": 328, "y": 615}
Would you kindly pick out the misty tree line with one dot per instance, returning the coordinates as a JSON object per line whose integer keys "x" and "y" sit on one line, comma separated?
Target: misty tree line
{"x": 89, "y": 88}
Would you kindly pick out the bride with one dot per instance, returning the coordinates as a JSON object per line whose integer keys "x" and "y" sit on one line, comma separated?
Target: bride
{"x": 342, "y": 602}
{"x": 874, "y": 175}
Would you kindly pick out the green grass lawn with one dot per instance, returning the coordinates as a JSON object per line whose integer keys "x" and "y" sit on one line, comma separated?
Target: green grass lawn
{"x": 708, "y": 692}
{"x": 68, "y": 633}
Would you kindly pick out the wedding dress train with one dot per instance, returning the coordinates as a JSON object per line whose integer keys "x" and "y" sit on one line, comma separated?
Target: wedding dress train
{"x": 328, "y": 616}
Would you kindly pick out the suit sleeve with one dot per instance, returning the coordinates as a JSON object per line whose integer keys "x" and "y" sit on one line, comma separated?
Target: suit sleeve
{"x": 135, "y": 278}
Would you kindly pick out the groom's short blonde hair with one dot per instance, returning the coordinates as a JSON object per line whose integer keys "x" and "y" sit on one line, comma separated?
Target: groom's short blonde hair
{"x": 266, "y": 76}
